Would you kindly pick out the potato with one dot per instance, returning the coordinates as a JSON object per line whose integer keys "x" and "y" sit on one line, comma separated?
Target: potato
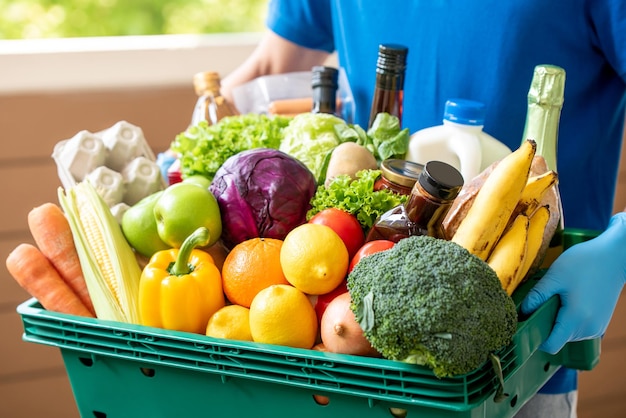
{"x": 349, "y": 158}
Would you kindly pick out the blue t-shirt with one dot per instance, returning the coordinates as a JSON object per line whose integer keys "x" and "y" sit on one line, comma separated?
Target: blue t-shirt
{"x": 486, "y": 50}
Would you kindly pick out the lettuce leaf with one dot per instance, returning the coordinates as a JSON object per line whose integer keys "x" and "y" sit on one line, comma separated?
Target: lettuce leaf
{"x": 311, "y": 138}
{"x": 203, "y": 148}
{"x": 356, "y": 197}
{"x": 385, "y": 139}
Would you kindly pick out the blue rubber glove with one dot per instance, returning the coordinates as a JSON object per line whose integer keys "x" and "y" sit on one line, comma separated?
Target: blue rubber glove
{"x": 588, "y": 277}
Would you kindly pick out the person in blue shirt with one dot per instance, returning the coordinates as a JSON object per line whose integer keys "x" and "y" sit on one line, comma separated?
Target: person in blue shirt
{"x": 486, "y": 50}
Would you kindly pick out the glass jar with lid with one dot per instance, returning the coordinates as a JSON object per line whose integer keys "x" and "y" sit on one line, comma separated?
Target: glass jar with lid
{"x": 398, "y": 175}
{"x": 431, "y": 197}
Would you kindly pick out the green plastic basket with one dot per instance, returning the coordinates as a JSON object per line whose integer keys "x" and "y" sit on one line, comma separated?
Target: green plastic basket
{"x": 121, "y": 370}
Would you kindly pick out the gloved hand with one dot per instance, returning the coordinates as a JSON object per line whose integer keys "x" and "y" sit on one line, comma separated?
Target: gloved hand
{"x": 588, "y": 277}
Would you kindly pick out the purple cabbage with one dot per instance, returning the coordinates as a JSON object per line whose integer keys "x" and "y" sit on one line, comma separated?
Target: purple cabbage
{"x": 262, "y": 192}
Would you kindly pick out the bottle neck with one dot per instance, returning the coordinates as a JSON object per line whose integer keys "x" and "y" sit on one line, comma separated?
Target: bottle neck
{"x": 324, "y": 99}
{"x": 213, "y": 91}
{"x": 542, "y": 125}
{"x": 464, "y": 126}
{"x": 388, "y": 95}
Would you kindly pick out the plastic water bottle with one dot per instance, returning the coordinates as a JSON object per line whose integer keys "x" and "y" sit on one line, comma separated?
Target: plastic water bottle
{"x": 460, "y": 141}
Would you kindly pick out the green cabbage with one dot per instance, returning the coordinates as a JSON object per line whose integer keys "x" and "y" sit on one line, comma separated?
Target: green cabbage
{"x": 311, "y": 138}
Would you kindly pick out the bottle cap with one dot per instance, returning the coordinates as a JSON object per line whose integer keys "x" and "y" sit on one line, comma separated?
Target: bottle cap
{"x": 322, "y": 76}
{"x": 466, "y": 112}
{"x": 206, "y": 81}
{"x": 402, "y": 172}
{"x": 547, "y": 86}
{"x": 441, "y": 180}
{"x": 392, "y": 58}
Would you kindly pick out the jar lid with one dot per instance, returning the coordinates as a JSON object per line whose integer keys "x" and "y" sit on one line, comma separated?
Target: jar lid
{"x": 441, "y": 180}
{"x": 402, "y": 172}
{"x": 466, "y": 112}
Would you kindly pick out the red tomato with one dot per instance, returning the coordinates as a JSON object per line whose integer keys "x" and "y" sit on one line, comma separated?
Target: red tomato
{"x": 346, "y": 225}
{"x": 323, "y": 300}
{"x": 370, "y": 248}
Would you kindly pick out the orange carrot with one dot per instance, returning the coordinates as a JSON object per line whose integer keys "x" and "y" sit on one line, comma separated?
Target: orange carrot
{"x": 292, "y": 107}
{"x": 51, "y": 231}
{"x": 35, "y": 274}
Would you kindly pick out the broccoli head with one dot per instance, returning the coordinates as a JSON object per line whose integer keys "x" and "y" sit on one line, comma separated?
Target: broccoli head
{"x": 429, "y": 301}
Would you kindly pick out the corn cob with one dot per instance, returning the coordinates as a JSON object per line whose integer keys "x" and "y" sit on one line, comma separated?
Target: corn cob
{"x": 108, "y": 262}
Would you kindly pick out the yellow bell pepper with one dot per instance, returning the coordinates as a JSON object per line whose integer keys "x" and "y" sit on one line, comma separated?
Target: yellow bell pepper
{"x": 181, "y": 288}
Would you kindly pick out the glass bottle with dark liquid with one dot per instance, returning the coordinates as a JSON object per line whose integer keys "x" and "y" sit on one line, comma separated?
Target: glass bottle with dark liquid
{"x": 389, "y": 87}
{"x": 324, "y": 84}
{"x": 432, "y": 195}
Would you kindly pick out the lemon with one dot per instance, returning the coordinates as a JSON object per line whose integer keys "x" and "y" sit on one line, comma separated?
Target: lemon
{"x": 232, "y": 322}
{"x": 314, "y": 258}
{"x": 281, "y": 314}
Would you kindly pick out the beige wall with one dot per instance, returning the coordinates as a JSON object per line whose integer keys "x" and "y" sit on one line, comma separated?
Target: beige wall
{"x": 33, "y": 381}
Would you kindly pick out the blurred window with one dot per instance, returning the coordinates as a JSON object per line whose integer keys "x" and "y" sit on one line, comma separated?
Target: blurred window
{"x": 37, "y": 19}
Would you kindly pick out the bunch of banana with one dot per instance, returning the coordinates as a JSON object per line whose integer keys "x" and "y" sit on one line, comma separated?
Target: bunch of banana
{"x": 507, "y": 219}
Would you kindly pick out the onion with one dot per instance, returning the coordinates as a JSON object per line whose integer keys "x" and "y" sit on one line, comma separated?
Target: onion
{"x": 340, "y": 332}
{"x": 320, "y": 399}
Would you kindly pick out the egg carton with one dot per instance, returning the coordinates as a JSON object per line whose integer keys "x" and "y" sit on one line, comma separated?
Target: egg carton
{"x": 118, "y": 161}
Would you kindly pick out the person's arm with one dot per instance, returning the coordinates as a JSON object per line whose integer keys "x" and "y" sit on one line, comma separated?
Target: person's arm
{"x": 273, "y": 55}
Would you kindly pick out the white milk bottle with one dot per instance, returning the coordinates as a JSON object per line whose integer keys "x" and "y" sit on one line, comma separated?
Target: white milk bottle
{"x": 460, "y": 141}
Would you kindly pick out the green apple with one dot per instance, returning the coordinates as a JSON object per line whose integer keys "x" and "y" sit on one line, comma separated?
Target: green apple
{"x": 184, "y": 207}
{"x": 140, "y": 228}
{"x": 198, "y": 179}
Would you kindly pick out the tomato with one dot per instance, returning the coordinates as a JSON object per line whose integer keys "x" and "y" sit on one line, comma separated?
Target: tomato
{"x": 346, "y": 225}
{"x": 323, "y": 300}
{"x": 370, "y": 248}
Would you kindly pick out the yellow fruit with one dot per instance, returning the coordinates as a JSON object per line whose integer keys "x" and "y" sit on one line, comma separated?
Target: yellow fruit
{"x": 314, "y": 258}
{"x": 232, "y": 322}
{"x": 495, "y": 202}
{"x": 250, "y": 267}
{"x": 283, "y": 315}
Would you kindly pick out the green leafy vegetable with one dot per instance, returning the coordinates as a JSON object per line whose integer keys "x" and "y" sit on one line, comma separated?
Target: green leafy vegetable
{"x": 386, "y": 139}
{"x": 311, "y": 138}
{"x": 429, "y": 301}
{"x": 204, "y": 148}
{"x": 356, "y": 197}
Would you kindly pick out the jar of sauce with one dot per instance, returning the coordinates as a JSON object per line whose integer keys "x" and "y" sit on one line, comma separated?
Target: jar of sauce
{"x": 398, "y": 175}
{"x": 431, "y": 197}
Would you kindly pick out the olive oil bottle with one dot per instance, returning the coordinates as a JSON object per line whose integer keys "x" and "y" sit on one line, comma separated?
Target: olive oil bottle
{"x": 211, "y": 105}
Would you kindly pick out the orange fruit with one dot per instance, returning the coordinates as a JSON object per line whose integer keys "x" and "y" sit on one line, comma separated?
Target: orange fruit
{"x": 314, "y": 258}
{"x": 283, "y": 315}
{"x": 232, "y": 322}
{"x": 250, "y": 267}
